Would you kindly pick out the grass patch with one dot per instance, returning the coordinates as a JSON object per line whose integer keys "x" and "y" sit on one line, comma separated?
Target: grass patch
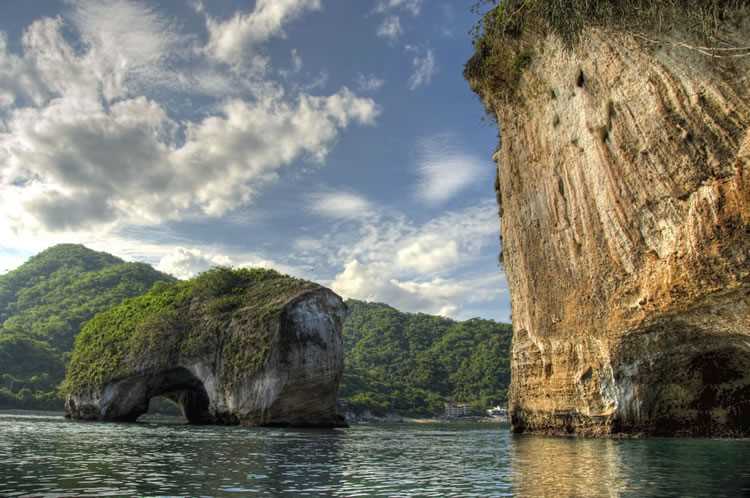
{"x": 233, "y": 312}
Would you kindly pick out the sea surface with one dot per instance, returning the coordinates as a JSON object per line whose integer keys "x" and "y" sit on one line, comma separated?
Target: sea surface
{"x": 45, "y": 455}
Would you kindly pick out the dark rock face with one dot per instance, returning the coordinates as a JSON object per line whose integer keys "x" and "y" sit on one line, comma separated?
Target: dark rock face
{"x": 624, "y": 177}
{"x": 297, "y": 386}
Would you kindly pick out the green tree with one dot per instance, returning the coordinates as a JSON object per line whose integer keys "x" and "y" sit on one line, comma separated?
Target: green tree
{"x": 43, "y": 305}
{"x": 413, "y": 363}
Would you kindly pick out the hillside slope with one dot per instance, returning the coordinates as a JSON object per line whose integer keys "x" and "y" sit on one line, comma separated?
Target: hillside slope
{"x": 412, "y": 364}
{"x": 395, "y": 362}
{"x": 43, "y": 305}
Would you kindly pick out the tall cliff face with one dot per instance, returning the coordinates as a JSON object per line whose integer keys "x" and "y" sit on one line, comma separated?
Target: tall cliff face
{"x": 624, "y": 179}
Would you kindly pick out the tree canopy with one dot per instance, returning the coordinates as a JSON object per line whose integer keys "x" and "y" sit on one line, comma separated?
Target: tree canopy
{"x": 43, "y": 305}
{"x": 412, "y": 364}
{"x": 395, "y": 362}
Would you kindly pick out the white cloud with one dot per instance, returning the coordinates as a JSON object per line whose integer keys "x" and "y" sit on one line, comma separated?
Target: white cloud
{"x": 428, "y": 253}
{"x": 92, "y": 165}
{"x": 445, "y": 170}
{"x": 424, "y": 268}
{"x": 234, "y": 40}
{"x": 340, "y": 205}
{"x": 197, "y": 5}
{"x": 424, "y": 67}
{"x": 412, "y": 6}
{"x": 127, "y": 41}
{"x": 369, "y": 84}
{"x": 11, "y": 261}
{"x": 18, "y": 78}
{"x": 184, "y": 263}
{"x": 390, "y": 28}
{"x": 70, "y": 160}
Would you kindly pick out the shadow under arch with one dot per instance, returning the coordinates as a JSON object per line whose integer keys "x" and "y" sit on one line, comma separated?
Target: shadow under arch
{"x": 131, "y": 399}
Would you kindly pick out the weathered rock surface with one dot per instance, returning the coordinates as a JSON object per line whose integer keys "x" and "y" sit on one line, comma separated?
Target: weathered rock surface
{"x": 624, "y": 177}
{"x": 292, "y": 380}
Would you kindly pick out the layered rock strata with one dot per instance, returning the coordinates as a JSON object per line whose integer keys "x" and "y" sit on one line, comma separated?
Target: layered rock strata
{"x": 624, "y": 181}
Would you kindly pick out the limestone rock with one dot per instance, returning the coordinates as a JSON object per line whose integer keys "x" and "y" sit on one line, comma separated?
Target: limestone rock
{"x": 624, "y": 178}
{"x": 264, "y": 351}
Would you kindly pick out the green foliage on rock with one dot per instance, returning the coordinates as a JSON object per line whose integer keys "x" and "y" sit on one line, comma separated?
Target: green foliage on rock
{"x": 396, "y": 362}
{"x": 503, "y": 39}
{"x": 412, "y": 364}
{"x": 234, "y": 313}
{"x": 43, "y": 305}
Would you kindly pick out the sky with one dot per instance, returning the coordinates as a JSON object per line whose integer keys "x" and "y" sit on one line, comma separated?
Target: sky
{"x": 333, "y": 140}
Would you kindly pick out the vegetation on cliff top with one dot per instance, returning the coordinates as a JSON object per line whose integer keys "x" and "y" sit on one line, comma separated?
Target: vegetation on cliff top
{"x": 234, "y": 311}
{"x": 43, "y": 304}
{"x": 412, "y": 363}
{"x": 502, "y": 50}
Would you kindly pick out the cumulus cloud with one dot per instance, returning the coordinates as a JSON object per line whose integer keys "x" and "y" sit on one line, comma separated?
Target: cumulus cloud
{"x": 234, "y": 40}
{"x": 83, "y": 150}
{"x": 424, "y": 67}
{"x": 97, "y": 165}
{"x": 445, "y": 169}
{"x": 417, "y": 267}
{"x": 184, "y": 263}
{"x": 428, "y": 253}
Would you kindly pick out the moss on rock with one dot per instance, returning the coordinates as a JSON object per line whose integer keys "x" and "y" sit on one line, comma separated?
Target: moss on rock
{"x": 504, "y": 37}
{"x": 174, "y": 323}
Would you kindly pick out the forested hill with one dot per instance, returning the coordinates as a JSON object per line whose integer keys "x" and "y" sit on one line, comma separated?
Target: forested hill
{"x": 43, "y": 304}
{"x": 411, "y": 364}
{"x": 395, "y": 362}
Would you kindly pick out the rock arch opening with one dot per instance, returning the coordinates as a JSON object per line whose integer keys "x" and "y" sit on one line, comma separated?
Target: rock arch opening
{"x": 161, "y": 406}
{"x": 131, "y": 399}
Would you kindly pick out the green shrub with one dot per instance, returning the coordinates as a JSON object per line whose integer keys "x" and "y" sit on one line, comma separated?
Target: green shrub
{"x": 182, "y": 321}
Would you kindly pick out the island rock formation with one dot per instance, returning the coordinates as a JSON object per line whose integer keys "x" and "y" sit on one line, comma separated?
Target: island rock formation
{"x": 249, "y": 347}
{"x": 624, "y": 186}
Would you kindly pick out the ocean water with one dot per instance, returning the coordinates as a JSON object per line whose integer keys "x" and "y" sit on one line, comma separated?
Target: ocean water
{"x": 45, "y": 455}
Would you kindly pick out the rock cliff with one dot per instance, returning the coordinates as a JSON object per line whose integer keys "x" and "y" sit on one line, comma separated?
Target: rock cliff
{"x": 624, "y": 182}
{"x": 246, "y": 347}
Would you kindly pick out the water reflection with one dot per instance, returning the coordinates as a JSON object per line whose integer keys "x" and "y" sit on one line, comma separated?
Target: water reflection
{"x": 568, "y": 467}
{"x": 51, "y": 457}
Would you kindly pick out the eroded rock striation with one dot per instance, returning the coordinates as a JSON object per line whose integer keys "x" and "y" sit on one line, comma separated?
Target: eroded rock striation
{"x": 624, "y": 182}
{"x": 246, "y": 347}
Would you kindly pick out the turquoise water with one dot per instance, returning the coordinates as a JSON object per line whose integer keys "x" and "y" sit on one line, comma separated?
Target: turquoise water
{"x": 48, "y": 456}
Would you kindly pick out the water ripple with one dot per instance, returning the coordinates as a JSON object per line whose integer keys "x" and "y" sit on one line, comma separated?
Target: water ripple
{"x": 50, "y": 457}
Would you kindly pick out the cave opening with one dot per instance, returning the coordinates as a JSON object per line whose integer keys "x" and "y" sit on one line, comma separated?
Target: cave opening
{"x": 176, "y": 392}
{"x": 687, "y": 381}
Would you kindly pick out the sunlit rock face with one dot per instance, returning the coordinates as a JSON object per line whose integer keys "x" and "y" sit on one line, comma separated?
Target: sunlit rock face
{"x": 297, "y": 385}
{"x": 624, "y": 179}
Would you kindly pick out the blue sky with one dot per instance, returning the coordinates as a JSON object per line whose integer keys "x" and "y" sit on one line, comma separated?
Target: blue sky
{"x": 334, "y": 140}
